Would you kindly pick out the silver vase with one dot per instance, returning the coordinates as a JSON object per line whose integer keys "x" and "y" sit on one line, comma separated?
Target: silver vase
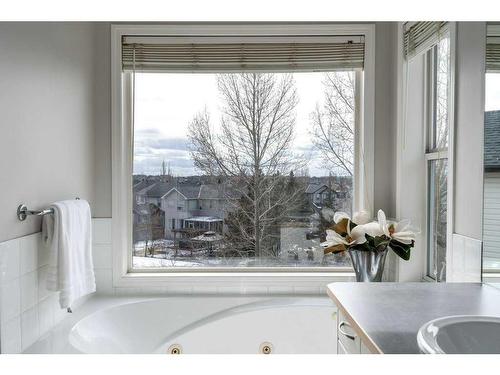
{"x": 368, "y": 265}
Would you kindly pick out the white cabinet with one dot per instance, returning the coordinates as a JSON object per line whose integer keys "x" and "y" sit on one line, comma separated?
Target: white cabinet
{"x": 340, "y": 348}
{"x": 348, "y": 341}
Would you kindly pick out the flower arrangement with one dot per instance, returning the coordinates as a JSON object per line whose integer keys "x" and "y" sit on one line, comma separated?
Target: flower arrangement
{"x": 363, "y": 234}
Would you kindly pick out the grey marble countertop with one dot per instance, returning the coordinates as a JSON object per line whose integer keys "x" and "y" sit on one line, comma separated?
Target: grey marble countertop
{"x": 388, "y": 316}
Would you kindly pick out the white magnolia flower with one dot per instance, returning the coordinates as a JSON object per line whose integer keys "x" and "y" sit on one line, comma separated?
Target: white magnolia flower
{"x": 356, "y": 236}
{"x": 373, "y": 229}
{"x": 398, "y": 231}
{"x": 359, "y": 218}
{"x": 339, "y": 216}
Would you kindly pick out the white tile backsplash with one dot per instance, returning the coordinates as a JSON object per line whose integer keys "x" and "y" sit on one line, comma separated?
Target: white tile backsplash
{"x": 30, "y": 331}
{"x": 45, "y": 315}
{"x": 29, "y": 253}
{"x": 10, "y": 336}
{"x": 43, "y": 253}
{"x": 43, "y": 292}
{"x": 104, "y": 281}
{"x": 27, "y": 308}
{"x": 101, "y": 231}
{"x": 10, "y": 300}
{"x": 464, "y": 262}
{"x": 9, "y": 260}
{"x": 29, "y": 290}
{"x": 101, "y": 255}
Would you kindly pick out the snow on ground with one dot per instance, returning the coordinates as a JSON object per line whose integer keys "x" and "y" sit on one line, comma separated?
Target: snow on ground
{"x": 204, "y": 261}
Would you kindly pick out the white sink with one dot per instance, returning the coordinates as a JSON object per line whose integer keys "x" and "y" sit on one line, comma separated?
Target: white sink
{"x": 464, "y": 334}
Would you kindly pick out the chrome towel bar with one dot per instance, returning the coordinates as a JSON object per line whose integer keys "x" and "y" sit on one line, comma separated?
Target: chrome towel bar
{"x": 23, "y": 212}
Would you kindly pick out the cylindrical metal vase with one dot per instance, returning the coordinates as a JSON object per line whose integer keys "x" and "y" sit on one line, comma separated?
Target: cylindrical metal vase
{"x": 368, "y": 265}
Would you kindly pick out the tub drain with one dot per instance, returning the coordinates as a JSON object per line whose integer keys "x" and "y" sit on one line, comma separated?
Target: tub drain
{"x": 174, "y": 349}
{"x": 266, "y": 348}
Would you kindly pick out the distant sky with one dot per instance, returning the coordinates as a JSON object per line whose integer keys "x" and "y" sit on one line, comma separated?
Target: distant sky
{"x": 166, "y": 103}
{"x": 492, "y": 99}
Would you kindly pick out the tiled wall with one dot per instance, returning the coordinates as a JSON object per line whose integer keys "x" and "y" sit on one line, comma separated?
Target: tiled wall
{"x": 27, "y": 309}
{"x": 102, "y": 256}
{"x": 465, "y": 260}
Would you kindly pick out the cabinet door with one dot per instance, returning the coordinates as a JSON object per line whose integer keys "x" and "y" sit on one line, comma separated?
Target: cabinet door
{"x": 340, "y": 348}
{"x": 347, "y": 336}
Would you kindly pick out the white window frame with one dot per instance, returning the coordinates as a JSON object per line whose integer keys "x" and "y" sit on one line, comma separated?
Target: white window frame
{"x": 418, "y": 270}
{"x": 448, "y": 154}
{"x": 123, "y": 275}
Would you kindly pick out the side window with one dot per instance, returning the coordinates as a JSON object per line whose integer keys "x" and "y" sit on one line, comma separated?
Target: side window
{"x": 438, "y": 78}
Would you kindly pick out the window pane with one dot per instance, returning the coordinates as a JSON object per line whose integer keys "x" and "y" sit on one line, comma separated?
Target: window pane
{"x": 437, "y": 219}
{"x": 491, "y": 205}
{"x": 234, "y": 170}
{"x": 440, "y": 133}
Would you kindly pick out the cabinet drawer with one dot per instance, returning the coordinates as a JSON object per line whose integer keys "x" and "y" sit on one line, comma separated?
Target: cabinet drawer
{"x": 340, "y": 348}
{"x": 347, "y": 336}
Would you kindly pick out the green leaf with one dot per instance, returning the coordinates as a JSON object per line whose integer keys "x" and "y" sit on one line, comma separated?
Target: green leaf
{"x": 401, "y": 250}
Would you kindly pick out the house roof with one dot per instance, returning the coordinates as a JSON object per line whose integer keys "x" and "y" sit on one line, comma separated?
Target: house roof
{"x": 202, "y": 191}
{"x": 190, "y": 191}
{"x": 492, "y": 140}
{"x": 157, "y": 190}
{"x": 138, "y": 186}
{"x": 314, "y": 187}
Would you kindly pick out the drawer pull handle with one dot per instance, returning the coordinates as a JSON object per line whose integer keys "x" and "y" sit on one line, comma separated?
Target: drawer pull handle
{"x": 349, "y": 336}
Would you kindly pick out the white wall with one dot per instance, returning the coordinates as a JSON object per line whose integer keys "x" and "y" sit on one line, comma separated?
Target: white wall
{"x": 411, "y": 174}
{"x": 53, "y": 90}
{"x": 464, "y": 254}
{"x": 469, "y": 118}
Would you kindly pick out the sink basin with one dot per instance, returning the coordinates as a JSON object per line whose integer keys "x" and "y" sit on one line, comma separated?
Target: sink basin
{"x": 462, "y": 334}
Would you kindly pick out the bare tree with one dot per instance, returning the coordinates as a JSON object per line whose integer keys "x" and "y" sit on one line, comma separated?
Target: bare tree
{"x": 333, "y": 122}
{"x": 252, "y": 149}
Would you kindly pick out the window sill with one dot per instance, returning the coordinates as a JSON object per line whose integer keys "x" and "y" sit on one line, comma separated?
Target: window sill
{"x": 234, "y": 281}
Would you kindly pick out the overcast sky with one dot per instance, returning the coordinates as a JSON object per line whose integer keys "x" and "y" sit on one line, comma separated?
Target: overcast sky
{"x": 492, "y": 99}
{"x": 166, "y": 103}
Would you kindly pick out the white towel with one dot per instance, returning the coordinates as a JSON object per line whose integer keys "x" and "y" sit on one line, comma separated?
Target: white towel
{"x": 68, "y": 235}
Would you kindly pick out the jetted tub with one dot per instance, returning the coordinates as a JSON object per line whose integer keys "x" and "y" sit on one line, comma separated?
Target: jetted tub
{"x": 205, "y": 325}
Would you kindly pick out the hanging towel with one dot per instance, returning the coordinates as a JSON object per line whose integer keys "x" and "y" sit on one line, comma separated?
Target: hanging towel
{"x": 67, "y": 234}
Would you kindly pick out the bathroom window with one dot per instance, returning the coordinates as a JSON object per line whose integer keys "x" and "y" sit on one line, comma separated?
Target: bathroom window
{"x": 265, "y": 130}
{"x": 438, "y": 78}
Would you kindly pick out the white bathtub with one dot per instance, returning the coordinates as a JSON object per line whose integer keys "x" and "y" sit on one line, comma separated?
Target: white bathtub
{"x": 204, "y": 325}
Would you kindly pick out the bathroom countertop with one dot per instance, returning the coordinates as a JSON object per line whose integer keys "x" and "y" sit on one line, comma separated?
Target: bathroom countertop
{"x": 387, "y": 316}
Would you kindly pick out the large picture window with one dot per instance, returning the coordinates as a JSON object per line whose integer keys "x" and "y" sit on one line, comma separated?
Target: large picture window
{"x": 235, "y": 169}
{"x": 241, "y": 147}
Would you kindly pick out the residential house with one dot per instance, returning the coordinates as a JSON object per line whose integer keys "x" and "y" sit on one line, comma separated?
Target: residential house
{"x": 196, "y": 206}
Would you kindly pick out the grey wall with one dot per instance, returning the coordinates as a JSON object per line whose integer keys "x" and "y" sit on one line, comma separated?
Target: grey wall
{"x": 469, "y": 112}
{"x": 102, "y": 121}
{"x": 385, "y": 116}
{"x": 52, "y": 93}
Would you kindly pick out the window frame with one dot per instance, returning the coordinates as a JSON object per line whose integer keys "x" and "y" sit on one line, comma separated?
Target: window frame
{"x": 432, "y": 153}
{"x": 122, "y": 156}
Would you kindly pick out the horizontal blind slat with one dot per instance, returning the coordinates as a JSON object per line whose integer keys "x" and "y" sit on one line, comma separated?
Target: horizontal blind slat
{"x": 418, "y": 34}
{"x": 247, "y": 56}
{"x": 493, "y": 54}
